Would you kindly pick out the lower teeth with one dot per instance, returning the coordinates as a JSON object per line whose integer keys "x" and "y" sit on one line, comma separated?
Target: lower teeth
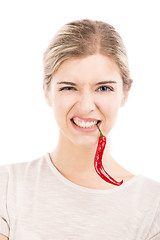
{"x": 85, "y": 127}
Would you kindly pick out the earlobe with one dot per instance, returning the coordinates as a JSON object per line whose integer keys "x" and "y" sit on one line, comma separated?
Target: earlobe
{"x": 48, "y": 101}
{"x": 124, "y": 99}
{"x": 46, "y": 94}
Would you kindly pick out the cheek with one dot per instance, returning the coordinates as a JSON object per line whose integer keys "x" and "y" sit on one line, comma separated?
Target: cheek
{"x": 109, "y": 109}
{"x": 110, "y": 106}
{"x": 62, "y": 105}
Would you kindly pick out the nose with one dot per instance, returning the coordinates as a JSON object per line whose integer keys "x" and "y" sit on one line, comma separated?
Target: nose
{"x": 86, "y": 102}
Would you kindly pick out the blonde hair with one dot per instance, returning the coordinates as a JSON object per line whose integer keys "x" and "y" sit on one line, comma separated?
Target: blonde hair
{"x": 83, "y": 38}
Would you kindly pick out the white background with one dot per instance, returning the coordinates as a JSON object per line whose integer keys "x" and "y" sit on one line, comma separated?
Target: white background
{"x": 27, "y": 126}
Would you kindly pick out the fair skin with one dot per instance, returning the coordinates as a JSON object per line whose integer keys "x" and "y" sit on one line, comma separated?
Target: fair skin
{"x": 74, "y": 154}
{"x": 2, "y": 237}
{"x": 85, "y": 97}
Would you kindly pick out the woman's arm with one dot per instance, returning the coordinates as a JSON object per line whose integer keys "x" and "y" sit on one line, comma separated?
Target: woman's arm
{"x": 2, "y": 237}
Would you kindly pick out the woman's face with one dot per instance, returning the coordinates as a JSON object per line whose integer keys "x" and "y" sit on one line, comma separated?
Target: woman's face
{"x": 83, "y": 91}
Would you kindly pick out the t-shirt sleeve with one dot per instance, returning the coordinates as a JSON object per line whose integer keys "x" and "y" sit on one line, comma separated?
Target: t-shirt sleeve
{"x": 4, "y": 218}
{"x": 154, "y": 233}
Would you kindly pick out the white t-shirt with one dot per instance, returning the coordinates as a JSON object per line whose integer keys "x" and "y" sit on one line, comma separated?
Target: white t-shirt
{"x": 38, "y": 203}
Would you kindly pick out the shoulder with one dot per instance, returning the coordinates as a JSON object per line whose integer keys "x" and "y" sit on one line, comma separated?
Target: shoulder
{"x": 152, "y": 220}
{"x": 149, "y": 202}
{"x": 149, "y": 187}
{"x": 148, "y": 190}
{"x": 14, "y": 180}
{"x": 17, "y": 171}
{"x": 154, "y": 230}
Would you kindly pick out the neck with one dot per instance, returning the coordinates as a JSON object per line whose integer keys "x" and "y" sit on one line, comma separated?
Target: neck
{"x": 74, "y": 160}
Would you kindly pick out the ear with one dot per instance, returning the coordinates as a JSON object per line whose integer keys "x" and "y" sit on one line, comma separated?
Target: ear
{"x": 124, "y": 97}
{"x": 46, "y": 94}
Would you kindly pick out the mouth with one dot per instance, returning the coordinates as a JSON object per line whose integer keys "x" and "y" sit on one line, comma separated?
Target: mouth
{"x": 85, "y": 124}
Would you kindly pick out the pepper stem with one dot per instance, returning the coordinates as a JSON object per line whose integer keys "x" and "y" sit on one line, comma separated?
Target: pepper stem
{"x": 101, "y": 135}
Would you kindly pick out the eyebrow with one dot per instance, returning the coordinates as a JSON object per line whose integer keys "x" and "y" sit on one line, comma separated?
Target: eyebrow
{"x": 105, "y": 82}
{"x": 74, "y": 84}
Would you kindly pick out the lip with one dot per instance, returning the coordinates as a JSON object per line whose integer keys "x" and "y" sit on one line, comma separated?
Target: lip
{"x": 91, "y": 129}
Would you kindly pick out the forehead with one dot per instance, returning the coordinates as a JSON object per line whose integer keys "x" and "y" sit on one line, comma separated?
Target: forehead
{"x": 91, "y": 68}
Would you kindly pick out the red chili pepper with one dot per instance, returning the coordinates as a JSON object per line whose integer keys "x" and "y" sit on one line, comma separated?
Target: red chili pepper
{"x": 98, "y": 161}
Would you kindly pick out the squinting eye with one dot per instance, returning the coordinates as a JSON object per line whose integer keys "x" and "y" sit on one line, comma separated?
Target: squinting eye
{"x": 104, "y": 89}
{"x": 67, "y": 88}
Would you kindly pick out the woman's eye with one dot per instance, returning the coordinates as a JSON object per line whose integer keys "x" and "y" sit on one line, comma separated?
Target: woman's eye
{"x": 67, "y": 88}
{"x": 105, "y": 89}
{"x": 100, "y": 89}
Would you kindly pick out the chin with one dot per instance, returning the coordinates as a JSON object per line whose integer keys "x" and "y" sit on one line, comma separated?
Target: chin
{"x": 86, "y": 142}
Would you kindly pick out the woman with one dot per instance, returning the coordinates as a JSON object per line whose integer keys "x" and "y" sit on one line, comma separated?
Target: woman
{"x": 60, "y": 195}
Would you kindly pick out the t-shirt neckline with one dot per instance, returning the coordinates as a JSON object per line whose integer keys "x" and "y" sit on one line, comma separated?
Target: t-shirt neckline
{"x": 85, "y": 189}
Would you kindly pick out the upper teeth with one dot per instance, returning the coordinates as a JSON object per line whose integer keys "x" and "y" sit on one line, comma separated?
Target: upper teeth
{"x": 84, "y": 124}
